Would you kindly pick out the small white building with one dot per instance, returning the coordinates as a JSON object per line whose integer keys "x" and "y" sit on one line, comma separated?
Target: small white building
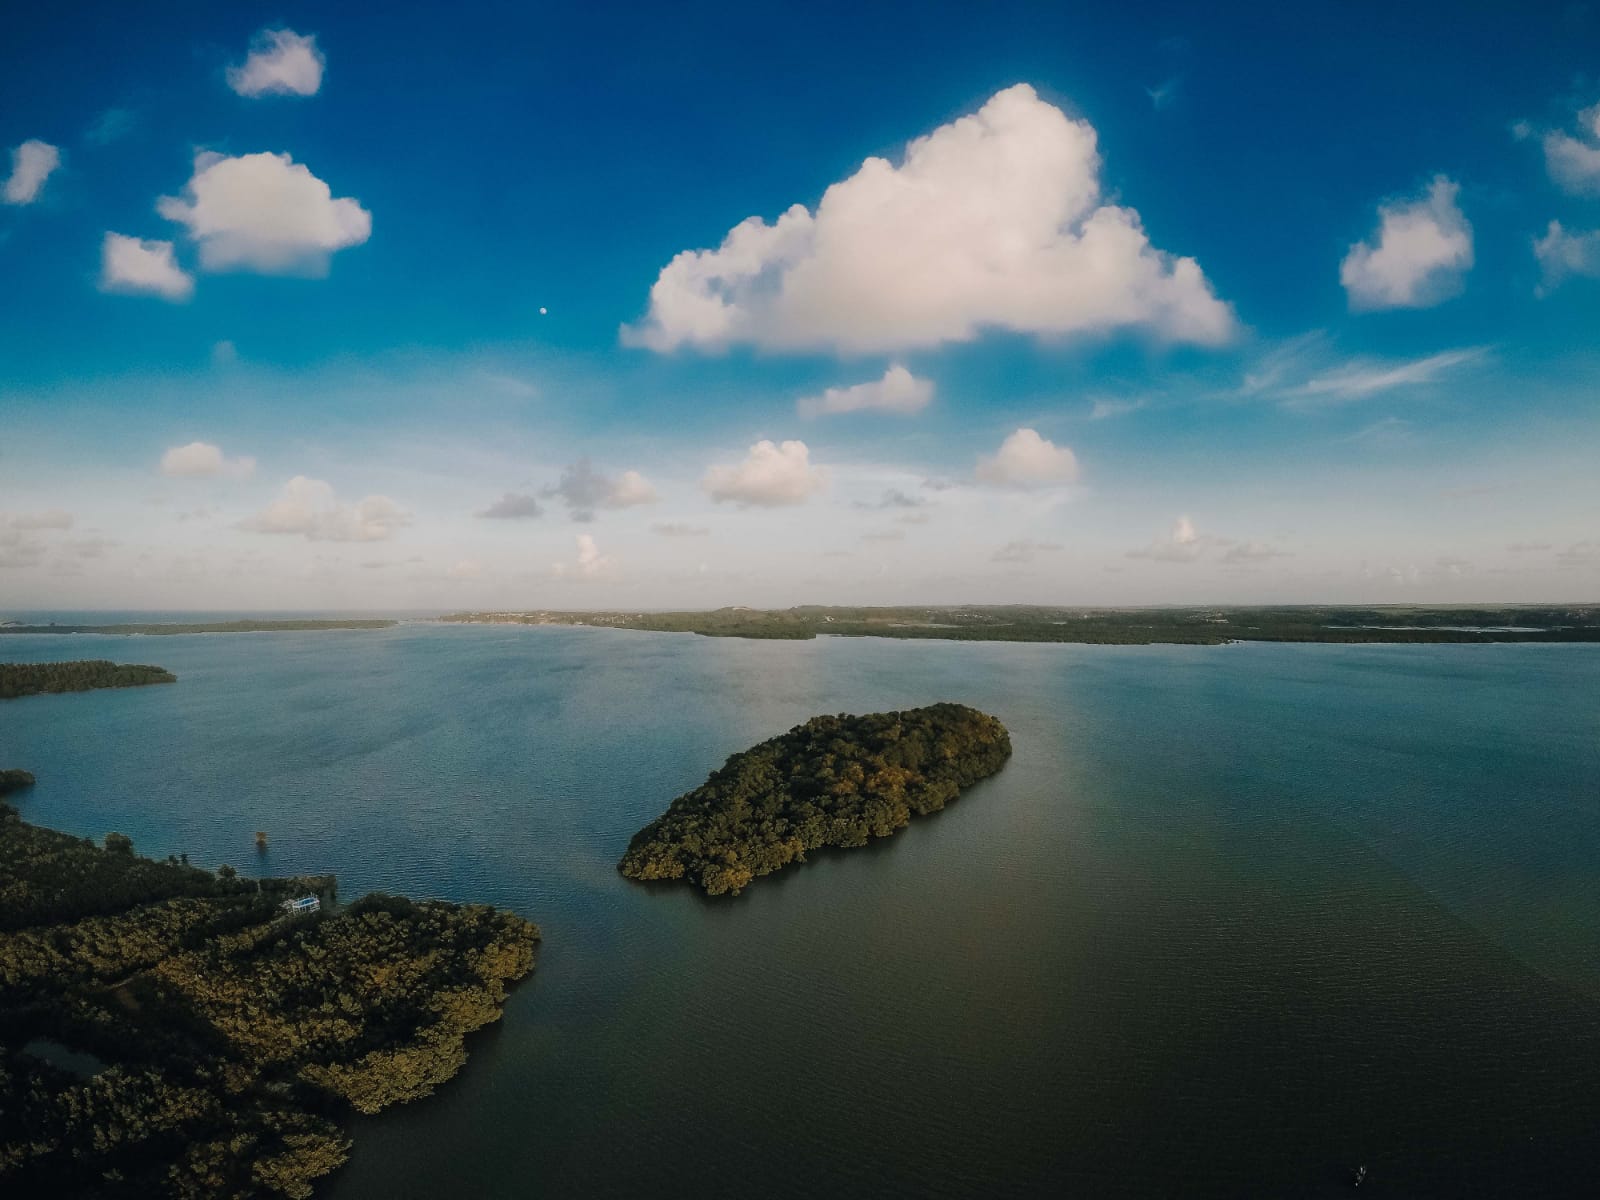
{"x": 305, "y": 904}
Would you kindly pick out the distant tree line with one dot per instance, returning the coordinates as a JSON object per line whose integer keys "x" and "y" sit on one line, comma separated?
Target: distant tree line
{"x": 1195, "y": 626}
{"x": 29, "y": 679}
{"x": 834, "y": 781}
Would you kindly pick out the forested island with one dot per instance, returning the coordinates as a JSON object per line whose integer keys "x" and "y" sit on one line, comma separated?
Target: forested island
{"x": 834, "y": 781}
{"x": 81, "y": 675}
{"x": 1102, "y": 626}
{"x": 167, "y": 1031}
{"x": 14, "y": 781}
{"x": 158, "y": 628}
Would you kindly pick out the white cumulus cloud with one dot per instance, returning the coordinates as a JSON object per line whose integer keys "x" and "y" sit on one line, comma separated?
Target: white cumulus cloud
{"x": 1418, "y": 257}
{"x": 584, "y": 489}
{"x": 770, "y": 476}
{"x": 1574, "y": 162}
{"x": 590, "y": 561}
{"x": 1562, "y": 255}
{"x": 994, "y": 220}
{"x": 264, "y": 212}
{"x": 310, "y": 507}
{"x": 1184, "y": 544}
{"x": 281, "y": 62}
{"x": 899, "y": 391}
{"x": 31, "y": 164}
{"x": 204, "y": 460}
{"x": 130, "y": 264}
{"x": 1027, "y": 460}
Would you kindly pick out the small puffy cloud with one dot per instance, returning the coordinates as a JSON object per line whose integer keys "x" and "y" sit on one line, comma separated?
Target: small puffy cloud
{"x": 884, "y": 535}
{"x": 53, "y": 518}
{"x": 264, "y": 212}
{"x": 1027, "y": 460}
{"x": 677, "y": 529}
{"x": 224, "y": 353}
{"x": 583, "y": 490}
{"x": 590, "y": 563}
{"x": 992, "y": 221}
{"x": 1104, "y": 409}
{"x": 110, "y": 126}
{"x": 1023, "y": 551}
{"x": 1183, "y": 545}
{"x": 513, "y": 506}
{"x": 466, "y": 568}
{"x": 1562, "y": 255}
{"x": 31, "y": 164}
{"x": 281, "y": 62}
{"x": 133, "y": 265}
{"x": 310, "y": 508}
{"x": 18, "y": 547}
{"x": 203, "y": 460}
{"x": 91, "y": 547}
{"x": 770, "y": 476}
{"x": 1574, "y": 162}
{"x": 1418, "y": 257}
{"x": 1253, "y": 552}
{"x": 1529, "y": 547}
{"x": 18, "y": 552}
{"x": 892, "y": 498}
{"x": 1579, "y": 555}
{"x": 899, "y": 391}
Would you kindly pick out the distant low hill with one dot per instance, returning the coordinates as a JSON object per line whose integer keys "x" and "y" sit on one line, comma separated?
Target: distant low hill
{"x": 1101, "y": 626}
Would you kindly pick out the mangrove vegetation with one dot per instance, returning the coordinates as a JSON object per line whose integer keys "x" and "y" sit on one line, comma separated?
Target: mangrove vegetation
{"x": 229, "y": 1039}
{"x": 834, "y": 781}
{"x": 82, "y": 675}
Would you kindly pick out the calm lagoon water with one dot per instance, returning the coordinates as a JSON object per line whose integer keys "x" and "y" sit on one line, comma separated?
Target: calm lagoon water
{"x": 1233, "y": 919}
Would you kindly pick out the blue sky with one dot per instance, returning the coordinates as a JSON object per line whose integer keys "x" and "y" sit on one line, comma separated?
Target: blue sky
{"x": 300, "y": 308}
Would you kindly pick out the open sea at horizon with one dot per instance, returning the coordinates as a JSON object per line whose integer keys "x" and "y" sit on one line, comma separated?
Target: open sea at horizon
{"x": 1231, "y": 921}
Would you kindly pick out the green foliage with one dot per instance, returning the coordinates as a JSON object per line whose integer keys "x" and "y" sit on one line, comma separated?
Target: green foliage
{"x": 30, "y": 679}
{"x": 834, "y": 781}
{"x": 14, "y": 781}
{"x": 233, "y": 1037}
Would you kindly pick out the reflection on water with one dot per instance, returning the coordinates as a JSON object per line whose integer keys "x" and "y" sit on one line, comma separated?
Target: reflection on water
{"x": 1232, "y": 920}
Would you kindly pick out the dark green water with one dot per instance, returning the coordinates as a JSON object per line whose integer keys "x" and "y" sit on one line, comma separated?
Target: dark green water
{"x": 1231, "y": 921}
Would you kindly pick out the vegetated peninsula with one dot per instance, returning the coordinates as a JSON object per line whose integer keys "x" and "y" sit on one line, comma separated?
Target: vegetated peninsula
{"x": 834, "y": 781}
{"x": 165, "y": 1031}
{"x": 14, "y": 781}
{"x": 158, "y": 628}
{"x": 82, "y": 675}
{"x": 1102, "y": 626}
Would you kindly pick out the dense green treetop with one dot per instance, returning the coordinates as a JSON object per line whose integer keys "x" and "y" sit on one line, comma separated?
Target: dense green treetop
{"x": 82, "y": 675}
{"x": 12, "y": 781}
{"x": 834, "y": 781}
{"x": 231, "y": 1037}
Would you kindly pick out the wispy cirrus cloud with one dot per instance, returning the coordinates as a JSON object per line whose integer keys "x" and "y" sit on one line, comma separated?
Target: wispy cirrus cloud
{"x": 1308, "y": 371}
{"x": 1361, "y": 378}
